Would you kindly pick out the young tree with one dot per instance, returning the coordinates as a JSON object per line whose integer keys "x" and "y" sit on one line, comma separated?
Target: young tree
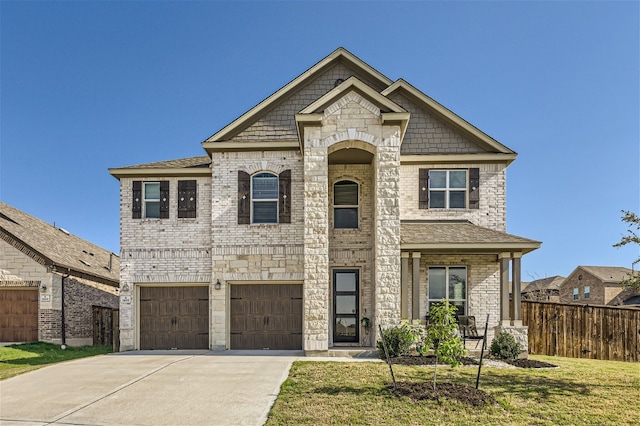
{"x": 441, "y": 336}
{"x": 632, "y": 237}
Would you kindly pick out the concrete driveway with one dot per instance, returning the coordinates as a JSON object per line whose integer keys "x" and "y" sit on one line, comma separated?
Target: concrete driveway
{"x": 148, "y": 388}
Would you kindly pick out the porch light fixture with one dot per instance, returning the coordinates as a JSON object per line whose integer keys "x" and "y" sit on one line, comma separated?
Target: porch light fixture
{"x": 218, "y": 285}
{"x": 43, "y": 288}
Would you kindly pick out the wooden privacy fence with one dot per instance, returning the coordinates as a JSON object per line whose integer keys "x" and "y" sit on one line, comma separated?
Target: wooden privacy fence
{"x": 582, "y": 331}
{"x": 106, "y": 327}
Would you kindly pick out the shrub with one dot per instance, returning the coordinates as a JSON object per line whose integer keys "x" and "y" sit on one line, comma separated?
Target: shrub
{"x": 398, "y": 339}
{"x": 505, "y": 346}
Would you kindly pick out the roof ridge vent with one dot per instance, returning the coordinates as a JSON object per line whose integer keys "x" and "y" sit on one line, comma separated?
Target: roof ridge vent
{"x": 64, "y": 230}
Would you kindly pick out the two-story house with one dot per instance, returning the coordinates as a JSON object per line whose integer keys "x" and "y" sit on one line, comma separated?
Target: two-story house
{"x": 343, "y": 201}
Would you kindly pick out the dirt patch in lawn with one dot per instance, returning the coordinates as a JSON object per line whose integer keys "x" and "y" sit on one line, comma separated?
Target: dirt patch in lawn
{"x": 450, "y": 391}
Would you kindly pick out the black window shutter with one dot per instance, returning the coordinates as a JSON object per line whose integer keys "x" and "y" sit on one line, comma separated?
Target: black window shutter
{"x": 423, "y": 189}
{"x": 244, "y": 198}
{"x": 187, "y": 202}
{"x": 284, "y": 197}
{"x": 474, "y": 188}
{"x": 136, "y": 205}
{"x": 164, "y": 199}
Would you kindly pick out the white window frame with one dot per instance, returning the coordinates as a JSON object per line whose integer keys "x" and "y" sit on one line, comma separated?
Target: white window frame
{"x": 146, "y": 200}
{"x": 448, "y": 296}
{"x": 265, "y": 200}
{"x": 447, "y": 189}
{"x": 347, "y": 206}
{"x": 586, "y": 291}
{"x": 576, "y": 293}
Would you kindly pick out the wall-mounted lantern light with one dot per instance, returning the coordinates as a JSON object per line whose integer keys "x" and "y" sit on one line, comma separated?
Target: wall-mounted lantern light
{"x": 218, "y": 285}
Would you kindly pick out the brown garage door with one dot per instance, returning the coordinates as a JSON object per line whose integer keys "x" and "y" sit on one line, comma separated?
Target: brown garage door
{"x": 266, "y": 316}
{"x": 18, "y": 315}
{"x": 174, "y": 317}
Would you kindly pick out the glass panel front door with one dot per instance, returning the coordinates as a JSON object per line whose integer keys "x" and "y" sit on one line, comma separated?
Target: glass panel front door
{"x": 345, "y": 306}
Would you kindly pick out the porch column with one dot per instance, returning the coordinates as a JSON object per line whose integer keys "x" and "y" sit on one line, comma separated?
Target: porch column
{"x": 516, "y": 289}
{"x": 503, "y": 258}
{"x": 404, "y": 282}
{"x": 415, "y": 298}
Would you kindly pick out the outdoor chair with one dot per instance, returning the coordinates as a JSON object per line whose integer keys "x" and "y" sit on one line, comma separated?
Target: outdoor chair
{"x": 468, "y": 329}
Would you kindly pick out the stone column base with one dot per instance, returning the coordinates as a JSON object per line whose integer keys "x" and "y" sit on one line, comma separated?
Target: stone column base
{"x": 520, "y": 333}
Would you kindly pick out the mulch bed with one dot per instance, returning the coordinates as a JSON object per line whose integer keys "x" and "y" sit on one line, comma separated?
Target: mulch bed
{"x": 469, "y": 395}
{"x": 451, "y": 391}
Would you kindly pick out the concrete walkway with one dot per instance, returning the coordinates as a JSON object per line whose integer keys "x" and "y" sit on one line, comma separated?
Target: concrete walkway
{"x": 149, "y": 388}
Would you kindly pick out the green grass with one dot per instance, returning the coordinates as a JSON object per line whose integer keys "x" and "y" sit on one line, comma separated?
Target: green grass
{"x": 21, "y": 358}
{"x": 581, "y": 391}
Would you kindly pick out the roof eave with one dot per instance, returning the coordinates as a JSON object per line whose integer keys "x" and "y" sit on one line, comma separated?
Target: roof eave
{"x": 484, "y": 157}
{"x": 127, "y": 172}
{"x": 480, "y": 248}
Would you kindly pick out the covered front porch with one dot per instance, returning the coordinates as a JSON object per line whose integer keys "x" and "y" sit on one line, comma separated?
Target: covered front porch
{"x": 476, "y": 268}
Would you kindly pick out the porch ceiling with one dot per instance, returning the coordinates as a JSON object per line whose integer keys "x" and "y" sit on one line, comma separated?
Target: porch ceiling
{"x": 460, "y": 236}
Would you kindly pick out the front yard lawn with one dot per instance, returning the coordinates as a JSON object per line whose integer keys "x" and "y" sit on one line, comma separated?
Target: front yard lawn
{"x": 580, "y": 391}
{"x": 21, "y": 358}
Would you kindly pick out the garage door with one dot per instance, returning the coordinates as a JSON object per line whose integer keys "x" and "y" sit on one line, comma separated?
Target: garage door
{"x": 174, "y": 317}
{"x": 18, "y": 315}
{"x": 266, "y": 316}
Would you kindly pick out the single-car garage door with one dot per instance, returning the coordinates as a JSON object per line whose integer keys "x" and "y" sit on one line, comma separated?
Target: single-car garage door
{"x": 174, "y": 317}
{"x": 266, "y": 316}
{"x": 18, "y": 315}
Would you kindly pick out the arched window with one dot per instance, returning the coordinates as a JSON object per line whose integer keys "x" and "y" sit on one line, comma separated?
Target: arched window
{"x": 264, "y": 198}
{"x": 345, "y": 204}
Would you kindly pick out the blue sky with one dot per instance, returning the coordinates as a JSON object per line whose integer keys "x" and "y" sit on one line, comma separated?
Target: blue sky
{"x": 86, "y": 86}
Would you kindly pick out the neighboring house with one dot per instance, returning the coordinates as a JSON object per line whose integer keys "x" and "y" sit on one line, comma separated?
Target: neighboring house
{"x": 543, "y": 290}
{"x": 597, "y": 285}
{"x": 38, "y": 261}
{"x": 342, "y": 202}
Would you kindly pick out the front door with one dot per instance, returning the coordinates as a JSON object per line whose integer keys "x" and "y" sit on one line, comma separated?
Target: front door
{"x": 345, "y": 305}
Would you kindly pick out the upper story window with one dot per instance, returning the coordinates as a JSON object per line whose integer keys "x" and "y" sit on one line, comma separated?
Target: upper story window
{"x": 449, "y": 189}
{"x": 448, "y": 282}
{"x": 264, "y": 197}
{"x": 576, "y": 293}
{"x": 264, "y": 194}
{"x": 587, "y": 292}
{"x": 150, "y": 200}
{"x": 345, "y": 204}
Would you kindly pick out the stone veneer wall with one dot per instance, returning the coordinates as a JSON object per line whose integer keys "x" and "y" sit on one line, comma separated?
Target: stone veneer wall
{"x": 161, "y": 251}
{"x": 352, "y": 122}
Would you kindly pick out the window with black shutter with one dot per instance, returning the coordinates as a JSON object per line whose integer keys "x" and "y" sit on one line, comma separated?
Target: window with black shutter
{"x": 284, "y": 197}
{"x": 244, "y": 198}
{"x": 187, "y": 200}
{"x": 150, "y": 200}
{"x": 449, "y": 189}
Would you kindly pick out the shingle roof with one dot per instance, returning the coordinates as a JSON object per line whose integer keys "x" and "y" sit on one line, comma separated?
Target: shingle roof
{"x": 608, "y": 274}
{"x": 549, "y": 283}
{"x": 181, "y": 163}
{"x": 460, "y": 235}
{"x": 54, "y": 246}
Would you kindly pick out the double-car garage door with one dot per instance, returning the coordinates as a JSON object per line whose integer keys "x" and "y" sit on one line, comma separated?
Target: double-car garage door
{"x": 262, "y": 316}
{"x": 18, "y": 315}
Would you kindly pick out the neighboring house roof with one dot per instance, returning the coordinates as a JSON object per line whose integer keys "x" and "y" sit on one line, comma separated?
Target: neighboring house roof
{"x": 55, "y": 247}
{"x": 544, "y": 284}
{"x": 191, "y": 166}
{"x": 459, "y": 236}
{"x": 607, "y": 274}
